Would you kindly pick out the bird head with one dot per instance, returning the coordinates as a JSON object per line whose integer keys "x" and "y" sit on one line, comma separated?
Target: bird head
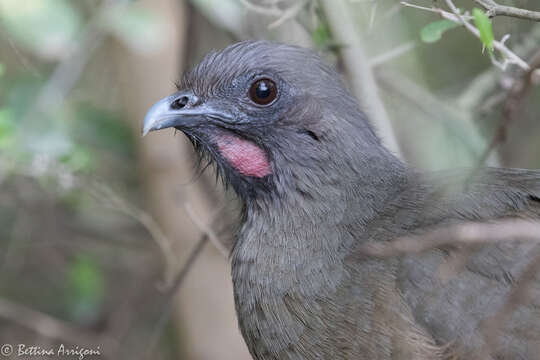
{"x": 270, "y": 116}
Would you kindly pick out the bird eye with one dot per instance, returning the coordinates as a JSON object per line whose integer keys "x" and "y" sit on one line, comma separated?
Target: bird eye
{"x": 263, "y": 91}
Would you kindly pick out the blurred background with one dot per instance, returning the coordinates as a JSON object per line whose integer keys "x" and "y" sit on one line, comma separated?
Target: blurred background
{"x": 96, "y": 222}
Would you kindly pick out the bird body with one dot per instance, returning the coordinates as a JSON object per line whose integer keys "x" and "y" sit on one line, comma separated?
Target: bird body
{"x": 395, "y": 308}
{"x": 317, "y": 186}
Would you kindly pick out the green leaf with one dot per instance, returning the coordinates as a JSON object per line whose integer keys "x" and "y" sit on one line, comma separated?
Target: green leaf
{"x": 2, "y": 69}
{"x": 86, "y": 286}
{"x": 433, "y": 32}
{"x": 102, "y": 130}
{"x": 79, "y": 159}
{"x": 7, "y": 128}
{"x": 85, "y": 278}
{"x": 46, "y": 27}
{"x": 321, "y": 36}
{"x": 483, "y": 23}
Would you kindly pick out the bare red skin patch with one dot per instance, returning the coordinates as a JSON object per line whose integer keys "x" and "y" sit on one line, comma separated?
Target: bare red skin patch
{"x": 244, "y": 156}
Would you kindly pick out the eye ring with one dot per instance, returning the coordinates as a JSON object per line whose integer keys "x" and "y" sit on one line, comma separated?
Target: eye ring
{"x": 263, "y": 91}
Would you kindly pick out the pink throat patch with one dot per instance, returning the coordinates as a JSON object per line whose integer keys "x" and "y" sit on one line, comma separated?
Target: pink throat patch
{"x": 244, "y": 156}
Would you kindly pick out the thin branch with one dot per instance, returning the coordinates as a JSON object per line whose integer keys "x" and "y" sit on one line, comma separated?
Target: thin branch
{"x": 106, "y": 195}
{"x": 466, "y": 237}
{"x": 288, "y": 14}
{"x": 208, "y": 235}
{"x": 512, "y": 106}
{"x": 372, "y": 15}
{"x": 392, "y": 54}
{"x": 447, "y": 15}
{"x": 172, "y": 291}
{"x": 25, "y": 62}
{"x": 357, "y": 64}
{"x": 509, "y": 56}
{"x": 474, "y": 95}
{"x": 206, "y": 230}
{"x": 469, "y": 233}
{"x": 263, "y": 10}
{"x": 51, "y": 327}
{"x": 456, "y": 122}
{"x": 69, "y": 70}
{"x": 519, "y": 296}
{"x": 494, "y": 9}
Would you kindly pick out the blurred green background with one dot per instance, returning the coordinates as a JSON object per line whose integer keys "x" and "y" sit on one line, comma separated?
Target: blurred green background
{"x": 95, "y": 222}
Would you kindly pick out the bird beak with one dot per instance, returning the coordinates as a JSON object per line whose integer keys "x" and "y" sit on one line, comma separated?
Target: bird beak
{"x": 181, "y": 110}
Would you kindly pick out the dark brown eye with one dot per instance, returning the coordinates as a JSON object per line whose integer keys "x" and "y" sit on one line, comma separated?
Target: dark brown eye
{"x": 263, "y": 91}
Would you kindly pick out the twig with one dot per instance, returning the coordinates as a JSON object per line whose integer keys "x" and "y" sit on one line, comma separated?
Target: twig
{"x": 464, "y": 236}
{"x": 487, "y": 81}
{"x": 509, "y": 56}
{"x": 25, "y": 62}
{"x": 396, "y": 8}
{"x": 478, "y": 89}
{"x": 105, "y": 194}
{"x": 357, "y": 64}
{"x": 207, "y": 235}
{"x": 290, "y": 13}
{"x": 456, "y": 122}
{"x": 66, "y": 74}
{"x": 494, "y": 9}
{"x": 282, "y": 15}
{"x": 392, "y": 54}
{"x": 372, "y": 15}
{"x": 206, "y": 230}
{"x": 470, "y": 233}
{"x": 447, "y": 15}
{"x": 176, "y": 285}
{"x": 386, "y": 16}
{"x": 519, "y": 296}
{"x": 51, "y": 327}
{"x": 271, "y": 11}
{"x": 512, "y": 107}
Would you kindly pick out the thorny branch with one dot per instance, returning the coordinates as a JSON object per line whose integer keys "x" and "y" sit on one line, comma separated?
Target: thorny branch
{"x": 493, "y": 9}
{"x": 487, "y": 81}
{"x": 509, "y": 56}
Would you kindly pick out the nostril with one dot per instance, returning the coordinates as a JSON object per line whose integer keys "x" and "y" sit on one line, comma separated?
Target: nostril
{"x": 179, "y": 103}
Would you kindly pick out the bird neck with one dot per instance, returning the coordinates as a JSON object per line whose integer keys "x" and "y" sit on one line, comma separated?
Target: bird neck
{"x": 291, "y": 251}
{"x": 303, "y": 230}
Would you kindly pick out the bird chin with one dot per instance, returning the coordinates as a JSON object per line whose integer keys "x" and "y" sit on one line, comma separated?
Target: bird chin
{"x": 243, "y": 155}
{"x": 239, "y": 162}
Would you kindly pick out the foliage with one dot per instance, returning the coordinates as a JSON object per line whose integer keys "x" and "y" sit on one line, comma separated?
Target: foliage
{"x": 483, "y": 23}
{"x": 433, "y": 32}
{"x": 86, "y": 287}
{"x": 56, "y": 138}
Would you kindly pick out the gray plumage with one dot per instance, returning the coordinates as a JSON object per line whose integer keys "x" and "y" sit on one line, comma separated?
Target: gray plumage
{"x": 302, "y": 289}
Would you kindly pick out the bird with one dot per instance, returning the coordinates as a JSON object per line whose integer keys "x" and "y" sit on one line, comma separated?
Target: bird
{"x": 317, "y": 187}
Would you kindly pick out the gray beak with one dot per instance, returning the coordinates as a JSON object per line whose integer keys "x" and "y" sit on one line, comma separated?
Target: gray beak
{"x": 181, "y": 110}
